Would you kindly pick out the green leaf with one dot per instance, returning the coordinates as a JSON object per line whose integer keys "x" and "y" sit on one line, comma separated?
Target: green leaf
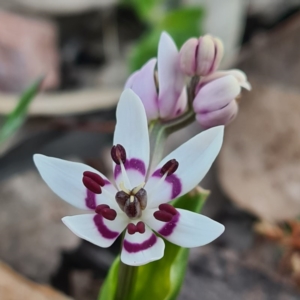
{"x": 147, "y": 10}
{"x": 109, "y": 287}
{"x": 17, "y": 117}
{"x": 161, "y": 279}
{"x": 181, "y": 24}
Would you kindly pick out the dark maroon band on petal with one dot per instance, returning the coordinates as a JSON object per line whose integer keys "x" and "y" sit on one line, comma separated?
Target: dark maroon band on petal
{"x": 90, "y": 199}
{"x": 131, "y": 164}
{"x": 103, "y": 229}
{"x": 174, "y": 181}
{"x": 136, "y": 247}
{"x": 170, "y": 226}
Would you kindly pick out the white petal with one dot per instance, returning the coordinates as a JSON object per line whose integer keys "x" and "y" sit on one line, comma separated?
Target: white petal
{"x": 195, "y": 158}
{"x": 140, "y": 249}
{"x": 65, "y": 180}
{"x": 132, "y": 133}
{"x": 171, "y": 79}
{"x": 95, "y": 229}
{"x": 187, "y": 229}
{"x": 142, "y": 83}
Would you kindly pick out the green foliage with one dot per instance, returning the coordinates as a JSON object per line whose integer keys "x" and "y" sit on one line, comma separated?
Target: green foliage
{"x": 181, "y": 24}
{"x": 161, "y": 279}
{"x": 148, "y": 10}
{"x": 16, "y": 118}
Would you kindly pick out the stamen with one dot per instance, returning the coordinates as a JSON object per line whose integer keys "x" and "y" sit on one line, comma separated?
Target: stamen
{"x": 162, "y": 216}
{"x": 136, "y": 189}
{"x": 121, "y": 198}
{"x": 108, "y": 213}
{"x": 125, "y": 177}
{"x": 169, "y": 167}
{"x": 141, "y": 195}
{"x": 168, "y": 208}
{"x": 100, "y": 207}
{"x": 131, "y": 228}
{"x": 91, "y": 185}
{"x": 118, "y": 154}
{"x": 96, "y": 177}
{"x": 157, "y": 185}
{"x": 140, "y": 227}
{"x": 123, "y": 188}
{"x": 132, "y": 208}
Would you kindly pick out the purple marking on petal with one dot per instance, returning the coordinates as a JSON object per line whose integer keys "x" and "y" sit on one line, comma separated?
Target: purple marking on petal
{"x": 174, "y": 181}
{"x": 90, "y": 200}
{"x": 168, "y": 228}
{"x": 137, "y": 247}
{"x": 103, "y": 229}
{"x": 134, "y": 164}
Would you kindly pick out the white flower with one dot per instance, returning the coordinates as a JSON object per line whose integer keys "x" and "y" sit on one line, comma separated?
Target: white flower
{"x": 137, "y": 201}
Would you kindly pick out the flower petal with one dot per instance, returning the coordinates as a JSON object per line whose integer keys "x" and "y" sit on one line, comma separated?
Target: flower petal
{"x": 240, "y": 76}
{"x": 195, "y": 158}
{"x": 186, "y": 229}
{"x": 142, "y": 83}
{"x": 132, "y": 133}
{"x": 171, "y": 79}
{"x": 95, "y": 229}
{"x": 65, "y": 180}
{"x": 221, "y": 116}
{"x": 216, "y": 94}
{"x": 142, "y": 248}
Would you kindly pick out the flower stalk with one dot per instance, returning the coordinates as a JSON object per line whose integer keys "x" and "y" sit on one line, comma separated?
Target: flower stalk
{"x": 126, "y": 281}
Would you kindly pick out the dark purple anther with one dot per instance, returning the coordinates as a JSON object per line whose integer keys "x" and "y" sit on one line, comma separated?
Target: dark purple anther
{"x": 163, "y": 216}
{"x": 95, "y": 177}
{"x": 100, "y": 207}
{"x": 93, "y": 182}
{"x": 140, "y": 227}
{"x": 169, "y": 167}
{"x": 108, "y": 213}
{"x": 131, "y": 228}
{"x": 168, "y": 208}
{"x": 118, "y": 154}
{"x": 91, "y": 185}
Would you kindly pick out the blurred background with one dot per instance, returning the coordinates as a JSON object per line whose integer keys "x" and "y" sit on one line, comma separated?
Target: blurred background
{"x": 85, "y": 49}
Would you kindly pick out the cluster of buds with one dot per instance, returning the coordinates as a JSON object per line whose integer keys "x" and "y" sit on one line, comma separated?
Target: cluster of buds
{"x": 164, "y": 93}
{"x": 216, "y": 92}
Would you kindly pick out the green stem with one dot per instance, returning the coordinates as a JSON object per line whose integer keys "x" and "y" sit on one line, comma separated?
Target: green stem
{"x": 158, "y": 135}
{"x": 126, "y": 281}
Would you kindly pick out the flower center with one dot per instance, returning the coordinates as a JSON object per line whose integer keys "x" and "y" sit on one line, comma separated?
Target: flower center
{"x": 132, "y": 202}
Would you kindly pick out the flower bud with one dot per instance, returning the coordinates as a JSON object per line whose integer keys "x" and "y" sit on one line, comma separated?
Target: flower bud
{"x": 239, "y": 75}
{"x": 215, "y": 102}
{"x": 201, "y": 56}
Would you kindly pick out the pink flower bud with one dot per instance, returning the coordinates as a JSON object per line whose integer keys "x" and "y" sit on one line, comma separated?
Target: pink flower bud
{"x": 201, "y": 57}
{"x": 215, "y": 102}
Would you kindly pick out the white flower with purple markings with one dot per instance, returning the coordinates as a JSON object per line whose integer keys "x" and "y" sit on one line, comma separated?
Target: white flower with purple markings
{"x": 137, "y": 200}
